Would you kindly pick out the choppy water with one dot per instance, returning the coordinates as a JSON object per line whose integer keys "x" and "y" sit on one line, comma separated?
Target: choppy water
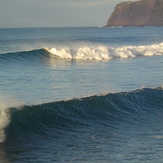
{"x": 81, "y": 94}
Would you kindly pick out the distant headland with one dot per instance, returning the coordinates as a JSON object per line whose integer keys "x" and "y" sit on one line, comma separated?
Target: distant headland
{"x": 137, "y": 13}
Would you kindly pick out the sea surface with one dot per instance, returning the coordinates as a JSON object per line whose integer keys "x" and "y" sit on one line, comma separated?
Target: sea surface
{"x": 84, "y": 94}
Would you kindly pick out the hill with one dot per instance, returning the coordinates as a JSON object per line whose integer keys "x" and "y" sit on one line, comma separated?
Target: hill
{"x": 137, "y": 13}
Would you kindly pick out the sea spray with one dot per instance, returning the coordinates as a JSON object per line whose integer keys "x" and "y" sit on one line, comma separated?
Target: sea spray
{"x": 4, "y": 121}
{"x": 6, "y": 102}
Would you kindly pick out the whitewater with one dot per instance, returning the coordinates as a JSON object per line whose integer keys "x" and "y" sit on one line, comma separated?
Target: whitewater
{"x": 101, "y": 52}
{"x": 84, "y": 94}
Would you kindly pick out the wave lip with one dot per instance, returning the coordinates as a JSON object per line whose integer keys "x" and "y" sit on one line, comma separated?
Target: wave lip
{"x": 102, "y": 52}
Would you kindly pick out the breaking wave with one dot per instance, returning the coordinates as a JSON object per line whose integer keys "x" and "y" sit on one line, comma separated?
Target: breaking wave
{"x": 89, "y": 51}
{"x": 49, "y": 119}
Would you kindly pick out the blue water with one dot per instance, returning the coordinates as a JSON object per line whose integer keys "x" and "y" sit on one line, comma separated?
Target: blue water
{"x": 81, "y": 94}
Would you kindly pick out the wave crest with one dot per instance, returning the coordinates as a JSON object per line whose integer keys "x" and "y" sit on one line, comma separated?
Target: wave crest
{"x": 102, "y": 52}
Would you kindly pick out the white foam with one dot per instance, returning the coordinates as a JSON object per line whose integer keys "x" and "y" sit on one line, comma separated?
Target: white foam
{"x": 102, "y": 52}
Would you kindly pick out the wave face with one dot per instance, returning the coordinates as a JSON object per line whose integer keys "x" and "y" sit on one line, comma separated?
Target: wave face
{"x": 88, "y": 51}
{"x": 49, "y": 119}
{"x": 25, "y": 55}
{"x": 102, "y": 52}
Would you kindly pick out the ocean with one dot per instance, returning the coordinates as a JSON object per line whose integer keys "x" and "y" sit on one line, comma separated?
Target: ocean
{"x": 81, "y": 94}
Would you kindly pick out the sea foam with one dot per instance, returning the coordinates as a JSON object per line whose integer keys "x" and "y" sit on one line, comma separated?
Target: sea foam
{"x": 102, "y": 52}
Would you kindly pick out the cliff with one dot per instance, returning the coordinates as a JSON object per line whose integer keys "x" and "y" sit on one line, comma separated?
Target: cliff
{"x": 137, "y": 13}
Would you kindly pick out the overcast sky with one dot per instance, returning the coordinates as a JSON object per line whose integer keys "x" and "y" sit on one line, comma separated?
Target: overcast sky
{"x": 55, "y": 13}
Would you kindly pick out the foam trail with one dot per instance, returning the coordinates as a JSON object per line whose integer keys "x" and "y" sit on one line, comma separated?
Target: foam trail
{"x": 102, "y": 52}
{"x": 6, "y": 101}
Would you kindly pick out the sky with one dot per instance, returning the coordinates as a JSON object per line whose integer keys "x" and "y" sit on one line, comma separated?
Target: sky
{"x": 55, "y": 13}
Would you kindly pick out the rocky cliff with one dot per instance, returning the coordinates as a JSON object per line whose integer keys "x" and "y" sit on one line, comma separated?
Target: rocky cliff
{"x": 137, "y": 13}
